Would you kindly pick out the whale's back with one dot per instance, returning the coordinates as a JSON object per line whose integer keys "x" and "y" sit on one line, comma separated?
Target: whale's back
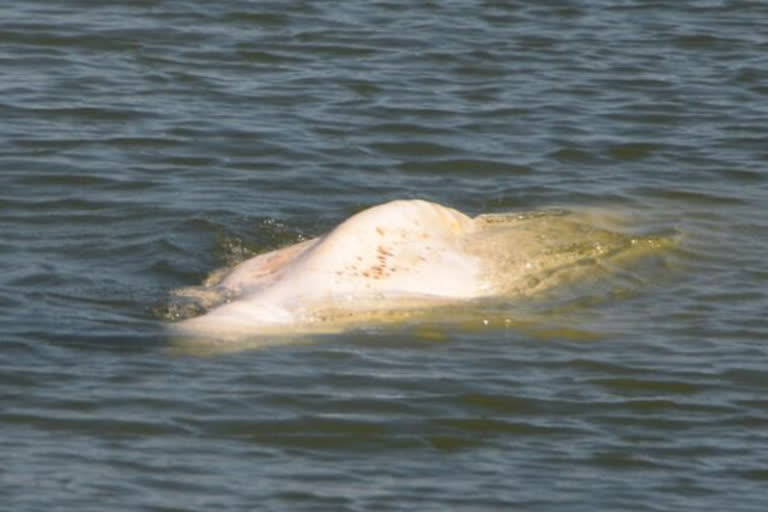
{"x": 404, "y": 256}
{"x": 401, "y": 252}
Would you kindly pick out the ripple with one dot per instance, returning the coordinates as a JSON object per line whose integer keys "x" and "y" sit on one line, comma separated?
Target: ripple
{"x": 488, "y": 426}
{"x": 693, "y": 196}
{"x": 414, "y": 148}
{"x": 632, "y": 386}
{"x": 87, "y": 424}
{"x": 633, "y": 151}
{"x": 467, "y": 167}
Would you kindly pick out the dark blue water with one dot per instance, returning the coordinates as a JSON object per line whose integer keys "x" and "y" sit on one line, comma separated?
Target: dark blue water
{"x": 144, "y": 145}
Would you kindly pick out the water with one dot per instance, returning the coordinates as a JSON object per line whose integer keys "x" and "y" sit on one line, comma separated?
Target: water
{"x": 143, "y": 145}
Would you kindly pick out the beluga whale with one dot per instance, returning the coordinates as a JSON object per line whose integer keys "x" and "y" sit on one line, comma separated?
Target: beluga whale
{"x": 395, "y": 261}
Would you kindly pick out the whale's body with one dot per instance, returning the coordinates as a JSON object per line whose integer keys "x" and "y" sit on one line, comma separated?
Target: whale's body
{"x": 399, "y": 256}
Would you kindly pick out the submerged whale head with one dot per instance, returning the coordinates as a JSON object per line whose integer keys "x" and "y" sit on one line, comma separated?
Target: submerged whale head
{"x": 394, "y": 261}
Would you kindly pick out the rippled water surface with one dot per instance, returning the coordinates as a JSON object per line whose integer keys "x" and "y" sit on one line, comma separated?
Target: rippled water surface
{"x": 143, "y": 144}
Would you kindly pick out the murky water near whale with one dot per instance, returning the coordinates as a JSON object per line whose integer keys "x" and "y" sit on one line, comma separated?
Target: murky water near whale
{"x": 144, "y": 145}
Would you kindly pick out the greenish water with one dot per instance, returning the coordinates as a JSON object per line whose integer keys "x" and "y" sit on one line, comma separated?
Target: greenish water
{"x": 144, "y": 145}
